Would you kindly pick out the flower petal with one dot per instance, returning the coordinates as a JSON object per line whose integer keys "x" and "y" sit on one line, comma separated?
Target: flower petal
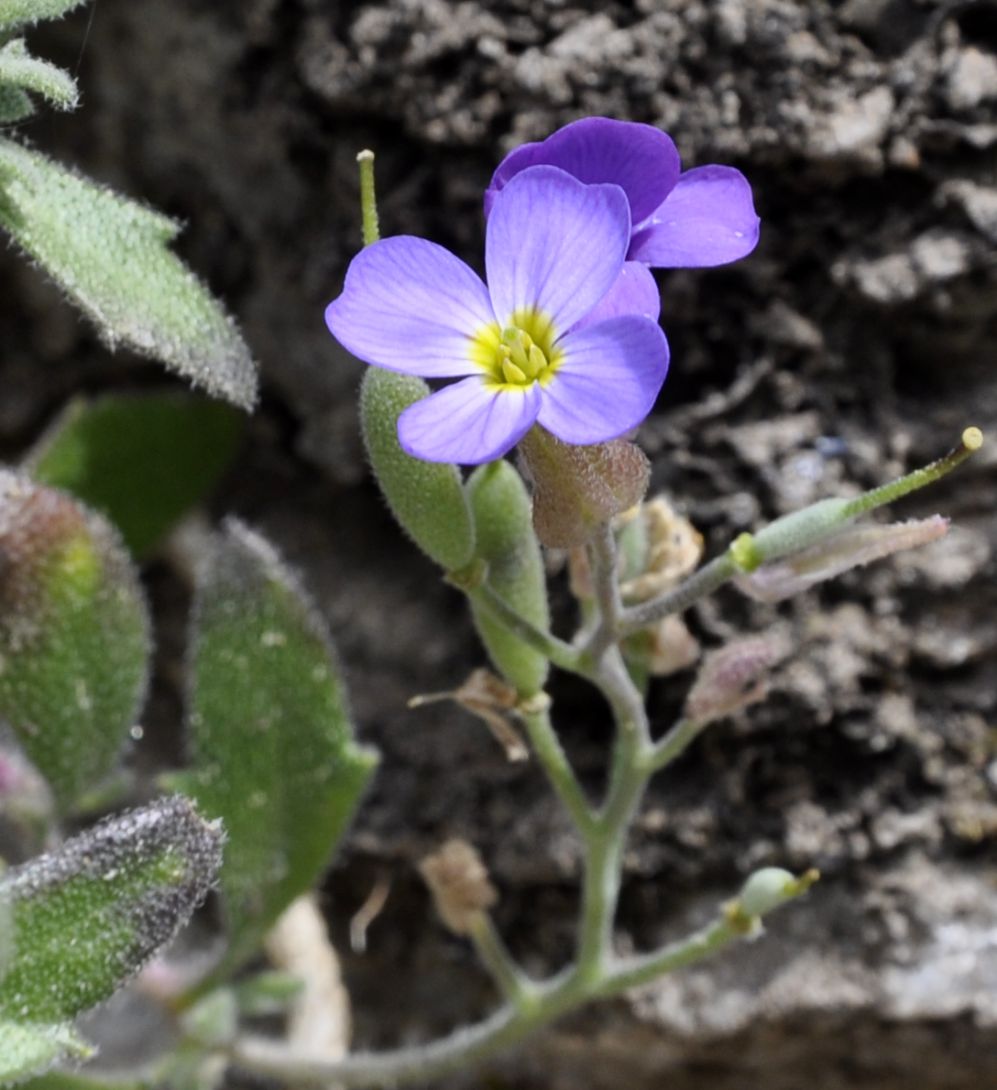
{"x": 635, "y": 292}
{"x": 641, "y": 159}
{"x": 410, "y": 305}
{"x": 708, "y": 219}
{"x": 469, "y": 422}
{"x": 555, "y": 245}
{"x": 608, "y": 381}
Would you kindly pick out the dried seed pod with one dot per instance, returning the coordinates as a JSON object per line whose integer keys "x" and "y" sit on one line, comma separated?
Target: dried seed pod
{"x": 459, "y": 883}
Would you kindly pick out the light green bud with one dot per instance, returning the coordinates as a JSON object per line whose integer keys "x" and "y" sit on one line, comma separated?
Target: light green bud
{"x": 771, "y": 887}
{"x": 426, "y": 498}
{"x": 509, "y": 547}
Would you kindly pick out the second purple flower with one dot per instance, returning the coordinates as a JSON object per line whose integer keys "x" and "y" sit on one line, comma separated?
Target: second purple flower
{"x": 565, "y": 335}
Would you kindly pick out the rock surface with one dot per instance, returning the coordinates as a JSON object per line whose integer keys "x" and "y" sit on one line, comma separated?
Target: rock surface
{"x": 856, "y": 341}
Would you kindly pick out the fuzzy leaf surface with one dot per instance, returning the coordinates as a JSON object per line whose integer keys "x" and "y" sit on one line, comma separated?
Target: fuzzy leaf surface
{"x": 90, "y": 914}
{"x": 142, "y": 460}
{"x": 111, "y": 257}
{"x": 272, "y": 744}
{"x": 74, "y": 636}
{"x": 18, "y": 13}
{"x": 28, "y": 1048}
{"x": 15, "y": 105}
{"x": 19, "y": 69}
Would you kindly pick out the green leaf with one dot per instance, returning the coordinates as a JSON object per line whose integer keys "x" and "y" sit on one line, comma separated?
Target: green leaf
{"x": 16, "y": 13}
{"x": 142, "y": 460}
{"x": 27, "y": 1049}
{"x": 74, "y": 636}
{"x": 270, "y": 734}
{"x": 425, "y": 497}
{"x": 19, "y": 69}
{"x": 15, "y": 105}
{"x": 90, "y": 914}
{"x": 110, "y": 255}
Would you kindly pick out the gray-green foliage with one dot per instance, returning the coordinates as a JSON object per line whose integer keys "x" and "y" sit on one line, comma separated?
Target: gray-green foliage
{"x": 271, "y": 740}
{"x": 74, "y": 636}
{"x": 28, "y": 1047}
{"x": 15, "y": 105}
{"x": 117, "y": 451}
{"x": 425, "y": 497}
{"x": 87, "y": 916}
{"x": 19, "y": 13}
{"x": 19, "y": 69}
{"x": 514, "y": 570}
{"x": 111, "y": 256}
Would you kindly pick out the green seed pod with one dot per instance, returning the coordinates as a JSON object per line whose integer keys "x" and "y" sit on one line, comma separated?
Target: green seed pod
{"x": 508, "y": 545}
{"x": 425, "y": 497}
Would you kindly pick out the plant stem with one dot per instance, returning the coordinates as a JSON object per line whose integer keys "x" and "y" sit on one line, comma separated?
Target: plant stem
{"x": 699, "y": 585}
{"x": 547, "y": 747}
{"x": 368, "y": 198}
{"x": 602, "y": 560}
{"x": 645, "y": 968}
{"x": 674, "y": 743}
{"x": 557, "y": 651}
{"x": 512, "y": 982}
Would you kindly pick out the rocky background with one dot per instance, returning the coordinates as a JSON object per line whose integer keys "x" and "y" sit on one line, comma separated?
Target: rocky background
{"x": 857, "y": 341}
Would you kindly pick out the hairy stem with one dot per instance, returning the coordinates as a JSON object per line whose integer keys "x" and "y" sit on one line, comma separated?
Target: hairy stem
{"x": 602, "y": 561}
{"x": 699, "y": 585}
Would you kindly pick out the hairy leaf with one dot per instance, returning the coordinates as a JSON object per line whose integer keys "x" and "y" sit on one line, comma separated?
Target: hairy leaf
{"x": 111, "y": 256}
{"x": 15, "y": 13}
{"x": 28, "y": 1048}
{"x": 90, "y": 914}
{"x": 74, "y": 636}
{"x": 15, "y": 105}
{"x": 141, "y": 460}
{"x": 270, "y": 733}
{"x": 19, "y": 69}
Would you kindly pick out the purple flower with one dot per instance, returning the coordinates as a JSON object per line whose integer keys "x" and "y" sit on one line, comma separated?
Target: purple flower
{"x": 700, "y": 218}
{"x": 564, "y": 335}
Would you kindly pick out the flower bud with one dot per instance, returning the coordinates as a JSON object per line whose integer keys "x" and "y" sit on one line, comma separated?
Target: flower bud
{"x": 771, "y": 887}
{"x": 578, "y": 489}
{"x": 458, "y": 881}
{"x": 731, "y": 678}
{"x": 426, "y": 498}
{"x": 851, "y": 548}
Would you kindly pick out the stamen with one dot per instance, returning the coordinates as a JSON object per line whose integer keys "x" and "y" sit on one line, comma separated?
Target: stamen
{"x": 537, "y": 361}
{"x": 513, "y": 374}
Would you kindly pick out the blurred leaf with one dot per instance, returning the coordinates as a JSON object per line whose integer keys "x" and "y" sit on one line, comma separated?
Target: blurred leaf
{"x": 270, "y": 992}
{"x": 15, "y": 105}
{"x": 143, "y": 461}
{"x": 110, "y": 255}
{"x": 27, "y": 1048}
{"x": 19, "y": 69}
{"x": 90, "y": 914}
{"x": 74, "y": 636}
{"x": 14, "y": 13}
{"x": 65, "y": 1080}
{"x": 270, "y": 734}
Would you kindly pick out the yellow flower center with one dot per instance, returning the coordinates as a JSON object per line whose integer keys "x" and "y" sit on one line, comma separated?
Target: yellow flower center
{"x": 519, "y": 355}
